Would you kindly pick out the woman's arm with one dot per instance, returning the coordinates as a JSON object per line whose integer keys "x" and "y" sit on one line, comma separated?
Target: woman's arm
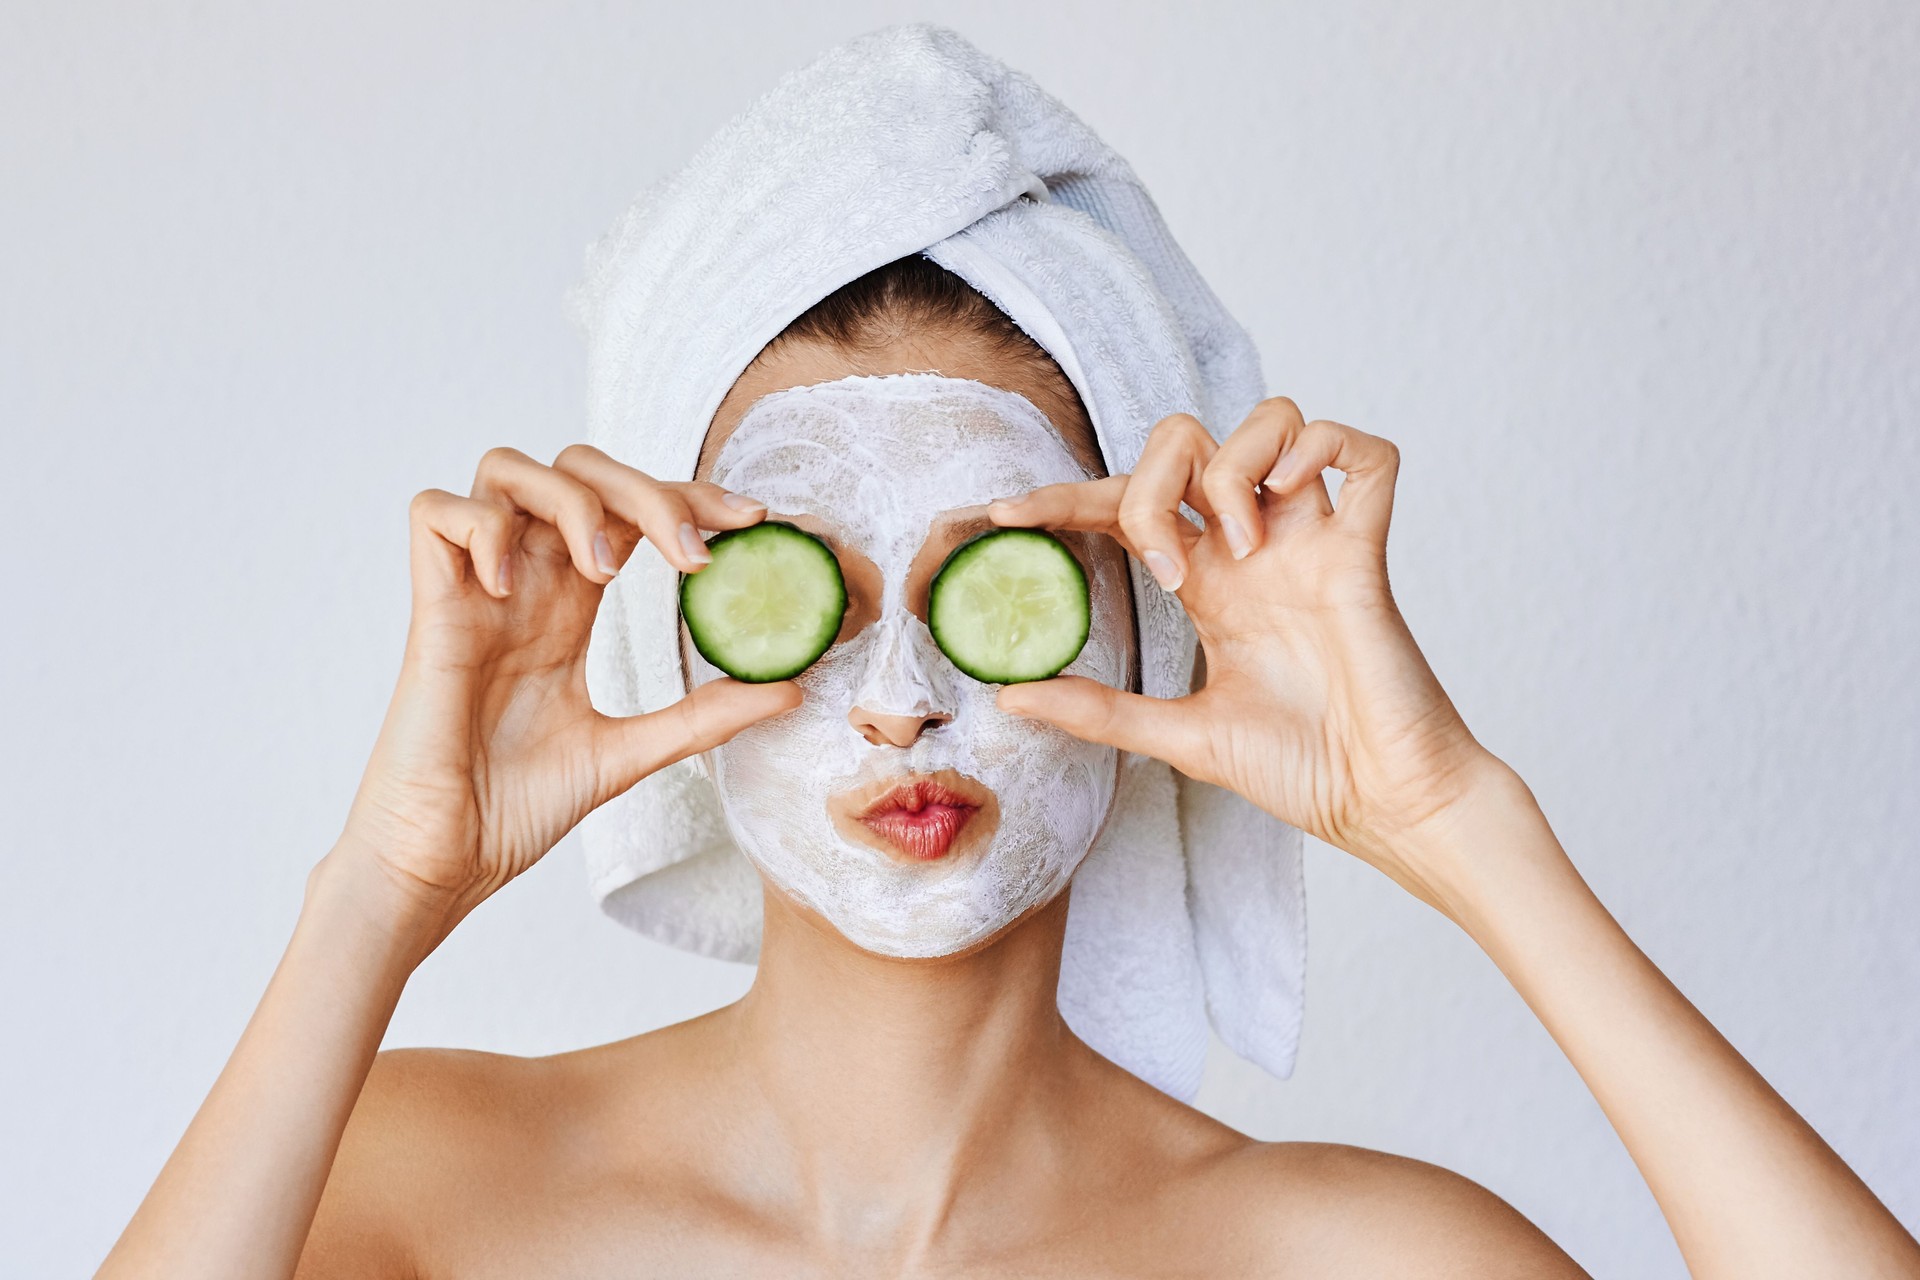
{"x": 490, "y": 752}
{"x": 1319, "y": 707}
{"x": 1747, "y": 1186}
{"x": 239, "y": 1191}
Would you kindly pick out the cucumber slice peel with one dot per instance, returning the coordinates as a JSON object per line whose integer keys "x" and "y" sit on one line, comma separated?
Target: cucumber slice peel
{"x": 768, "y": 605}
{"x": 1010, "y": 606}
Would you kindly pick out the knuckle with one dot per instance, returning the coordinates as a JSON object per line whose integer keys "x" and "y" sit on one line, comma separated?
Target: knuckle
{"x": 1189, "y": 435}
{"x": 1147, "y": 533}
{"x": 498, "y": 458}
{"x": 1282, "y": 405}
{"x": 424, "y": 503}
{"x": 1173, "y": 429}
{"x": 1316, "y": 439}
{"x": 1135, "y": 508}
{"x": 574, "y": 455}
{"x": 1219, "y": 484}
{"x": 1224, "y": 466}
{"x": 1328, "y": 429}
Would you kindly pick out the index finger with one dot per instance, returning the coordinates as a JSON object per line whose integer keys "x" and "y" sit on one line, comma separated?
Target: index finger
{"x": 668, "y": 514}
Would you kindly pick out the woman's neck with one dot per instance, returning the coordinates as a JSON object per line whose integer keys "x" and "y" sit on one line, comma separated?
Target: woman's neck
{"x": 899, "y": 1090}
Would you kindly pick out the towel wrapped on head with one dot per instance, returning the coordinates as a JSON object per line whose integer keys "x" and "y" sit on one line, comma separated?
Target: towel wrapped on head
{"x": 1190, "y": 909}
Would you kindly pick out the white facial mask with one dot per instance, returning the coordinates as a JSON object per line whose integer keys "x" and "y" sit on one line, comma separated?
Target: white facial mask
{"x": 877, "y": 459}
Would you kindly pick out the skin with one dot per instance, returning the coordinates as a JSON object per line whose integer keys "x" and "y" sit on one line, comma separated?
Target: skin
{"x": 854, "y": 1115}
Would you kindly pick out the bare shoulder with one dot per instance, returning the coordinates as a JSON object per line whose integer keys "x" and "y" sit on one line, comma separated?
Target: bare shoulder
{"x": 422, "y": 1108}
{"x": 1372, "y": 1213}
{"x": 436, "y": 1108}
{"x": 444, "y": 1145}
{"x": 1309, "y": 1208}
{"x": 429, "y": 1088}
{"x": 436, "y": 1138}
{"x": 424, "y": 1120}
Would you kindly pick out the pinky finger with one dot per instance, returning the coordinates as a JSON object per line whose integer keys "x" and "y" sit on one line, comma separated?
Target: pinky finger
{"x": 449, "y": 532}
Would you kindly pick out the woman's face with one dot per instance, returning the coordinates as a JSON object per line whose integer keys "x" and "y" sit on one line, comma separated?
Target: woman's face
{"x": 897, "y": 800}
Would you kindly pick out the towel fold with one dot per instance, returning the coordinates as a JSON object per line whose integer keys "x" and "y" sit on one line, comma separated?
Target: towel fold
{"x": 1190, "y": 910}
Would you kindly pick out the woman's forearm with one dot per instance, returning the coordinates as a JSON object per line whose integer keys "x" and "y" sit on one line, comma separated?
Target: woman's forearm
{"x": 1747, "y": 1186}
{"x": 237, "y": 1196}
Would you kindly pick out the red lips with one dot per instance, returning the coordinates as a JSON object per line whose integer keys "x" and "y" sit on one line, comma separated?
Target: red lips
{"x": 922, "y": 818}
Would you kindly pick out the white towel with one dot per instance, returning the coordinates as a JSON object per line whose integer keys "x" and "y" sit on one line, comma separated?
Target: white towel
{"x": 1191, "y": 907}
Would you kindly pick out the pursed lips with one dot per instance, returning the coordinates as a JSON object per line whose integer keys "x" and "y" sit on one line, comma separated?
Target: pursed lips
{"x": 922, "y": 818}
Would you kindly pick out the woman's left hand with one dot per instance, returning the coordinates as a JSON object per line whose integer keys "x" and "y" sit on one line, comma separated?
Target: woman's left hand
{"x": 1318, "y": 706}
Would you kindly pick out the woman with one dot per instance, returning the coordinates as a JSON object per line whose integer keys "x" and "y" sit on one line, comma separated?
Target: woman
{"x": 862, "y": 1113}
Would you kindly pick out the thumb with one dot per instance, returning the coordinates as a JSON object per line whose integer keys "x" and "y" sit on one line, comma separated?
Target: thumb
{"x": 1087, "y": 709}
{"x": 631, "y": 747}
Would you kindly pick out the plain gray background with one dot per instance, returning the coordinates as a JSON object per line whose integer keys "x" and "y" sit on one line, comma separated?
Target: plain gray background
{"x": 1636, "y": 287}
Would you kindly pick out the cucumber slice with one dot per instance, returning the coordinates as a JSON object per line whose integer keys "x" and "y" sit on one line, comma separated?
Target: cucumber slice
{"x": 1010, "y": 606}
{"x": 768, "y": 605}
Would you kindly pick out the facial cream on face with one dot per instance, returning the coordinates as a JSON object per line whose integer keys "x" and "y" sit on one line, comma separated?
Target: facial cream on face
{"x": 878, "y": 459}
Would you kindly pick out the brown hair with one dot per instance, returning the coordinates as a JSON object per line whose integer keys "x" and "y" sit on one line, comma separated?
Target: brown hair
{"x": 913, "y": 293}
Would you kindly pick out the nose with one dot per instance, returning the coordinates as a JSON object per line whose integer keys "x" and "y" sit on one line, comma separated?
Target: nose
{"x": 883, "y": 730}
{"x": 902, "y": 693}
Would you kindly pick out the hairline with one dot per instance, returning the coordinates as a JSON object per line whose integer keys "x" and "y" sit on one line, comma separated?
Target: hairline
{"x": 1035, "y": 369}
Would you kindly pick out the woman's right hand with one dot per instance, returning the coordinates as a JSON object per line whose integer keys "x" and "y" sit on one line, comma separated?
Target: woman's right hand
{"x": 491, "y": 751}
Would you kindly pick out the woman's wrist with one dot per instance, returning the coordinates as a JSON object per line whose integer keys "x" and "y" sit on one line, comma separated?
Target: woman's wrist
{"x": 388, "y": 924}
{"x": 1473, "y": 856}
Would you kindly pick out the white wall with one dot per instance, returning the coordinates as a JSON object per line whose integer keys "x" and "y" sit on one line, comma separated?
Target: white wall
{"x": 1635, "y": 286}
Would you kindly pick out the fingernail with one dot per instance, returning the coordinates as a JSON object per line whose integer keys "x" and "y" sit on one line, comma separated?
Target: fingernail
{"x": 505, "y": 576}
{"x": 690, "y": 543}
{"x": 1237, "y": 541}
{"x": 1281, "y": 466}
{"x": 1163, "y": 570}
{"x": 603, "y": 554}
{"x": 741, "y": 502}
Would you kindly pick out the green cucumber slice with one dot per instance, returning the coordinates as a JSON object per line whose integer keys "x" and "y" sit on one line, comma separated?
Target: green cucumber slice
{"x": 1010, "y": 606}
{"x": 768, "y": 605}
